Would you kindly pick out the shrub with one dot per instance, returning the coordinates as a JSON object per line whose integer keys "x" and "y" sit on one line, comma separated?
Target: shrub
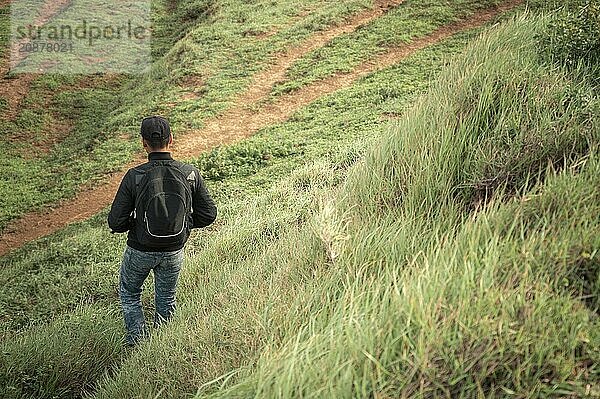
{"x": 554, "y": 5}
{"x": 573, "y": 34}
{"x": 241, "y": 160}
{"x": 189, "y": 11}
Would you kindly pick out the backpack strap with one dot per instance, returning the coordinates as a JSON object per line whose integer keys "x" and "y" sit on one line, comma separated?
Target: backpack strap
{"x": 138, "y": 179}
{"x": 139, "y": 175}
{"x": 189, "y": 172}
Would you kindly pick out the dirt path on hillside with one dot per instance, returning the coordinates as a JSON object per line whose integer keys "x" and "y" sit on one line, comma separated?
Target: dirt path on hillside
{"x": 241, "y": 121}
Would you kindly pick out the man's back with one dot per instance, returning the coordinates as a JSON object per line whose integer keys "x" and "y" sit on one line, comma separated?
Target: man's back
{"x": 120, "y": 218}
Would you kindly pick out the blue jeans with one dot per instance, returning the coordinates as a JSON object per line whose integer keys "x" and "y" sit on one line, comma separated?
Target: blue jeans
{"x": 135, "y": 269}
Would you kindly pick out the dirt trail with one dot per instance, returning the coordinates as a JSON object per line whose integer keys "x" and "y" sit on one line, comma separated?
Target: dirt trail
{"x": 241, "y": 121}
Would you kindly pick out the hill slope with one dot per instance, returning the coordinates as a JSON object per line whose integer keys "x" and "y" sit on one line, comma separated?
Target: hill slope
{"x": 459, "y": 257}
{"x": 451, "y": 252}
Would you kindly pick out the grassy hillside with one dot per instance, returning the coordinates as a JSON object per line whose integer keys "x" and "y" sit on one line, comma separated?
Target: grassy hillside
{"x": 378, "y": 244}
{"x": 75, "y": 270}
{"x": 71, "y": 130}
{"x": 81, "y": 259}
{"x": 80, "y": 128}
{"x": 405, "y": 23}
{"x": 459, "y": 258}
{"x": 431, "y": 231}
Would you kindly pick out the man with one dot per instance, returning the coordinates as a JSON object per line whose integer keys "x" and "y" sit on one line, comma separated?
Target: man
{"x": 158, "y": 202}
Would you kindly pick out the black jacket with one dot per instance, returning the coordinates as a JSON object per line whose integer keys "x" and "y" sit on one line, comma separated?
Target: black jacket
{"x": 120, "y": 217}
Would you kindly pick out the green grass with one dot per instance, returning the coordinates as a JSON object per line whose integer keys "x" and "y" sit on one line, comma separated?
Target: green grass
{"x": 273, "y": 152}
{"x": 212, "y": 55}
{"x": 4, "y": 38}
{"x": 66, "y": 373}
{"x": 237, "y": 171}
{"x": 45, "y": 161}
{"x": 395, "y": 285}
{"x": 455, "y": 256}
{"x": 4, "y": 27}
{"x": 217, "y": 59}
{"x": 173, "y": 20}
{"x": 85, "y": 259}
{"x": 343, "y": 118}
{"x": 489, "y": 307}
{"x": 411, "y": 20}
{"x": 237, "y": 50}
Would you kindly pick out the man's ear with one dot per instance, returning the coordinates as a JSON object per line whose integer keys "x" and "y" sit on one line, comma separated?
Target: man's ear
{"x": 171, "y": 140}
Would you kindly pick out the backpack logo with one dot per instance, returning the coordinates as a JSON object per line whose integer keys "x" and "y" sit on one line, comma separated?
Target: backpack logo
{"x": 163, "y": 207}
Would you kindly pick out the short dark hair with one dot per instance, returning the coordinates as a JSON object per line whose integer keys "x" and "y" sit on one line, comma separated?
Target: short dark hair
{"x": 157, "y": 143}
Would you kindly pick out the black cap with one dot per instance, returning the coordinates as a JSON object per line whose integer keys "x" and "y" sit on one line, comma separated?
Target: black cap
{"x": 155, "y": 128}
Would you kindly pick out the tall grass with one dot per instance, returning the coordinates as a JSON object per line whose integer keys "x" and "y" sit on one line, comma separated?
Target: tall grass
{"x": 485, "y": 309}
{"x": 47, "y": 361}
{"x": 435, "y": 266}
{"x": 47, "y": 280}
{"x": 435, "y": 297}
{"x": 441, "y": 267}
